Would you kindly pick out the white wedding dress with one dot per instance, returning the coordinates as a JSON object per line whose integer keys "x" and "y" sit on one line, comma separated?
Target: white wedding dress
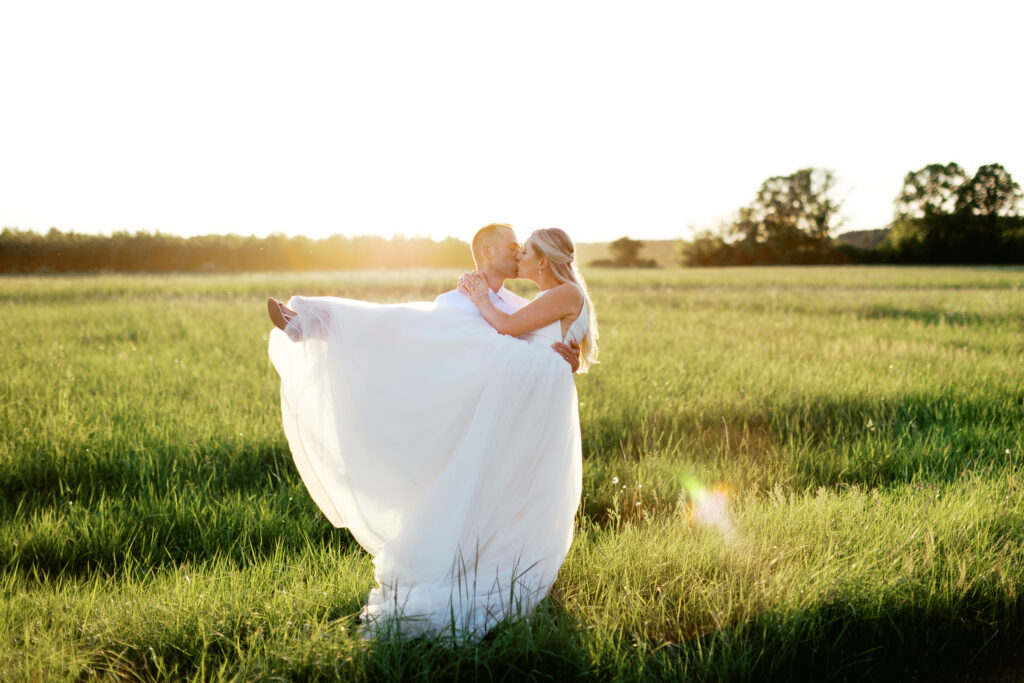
{"x": 451, "y": 452}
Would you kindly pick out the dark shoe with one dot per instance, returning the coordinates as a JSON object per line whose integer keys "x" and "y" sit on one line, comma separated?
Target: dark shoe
{"x": 280, "y": 314}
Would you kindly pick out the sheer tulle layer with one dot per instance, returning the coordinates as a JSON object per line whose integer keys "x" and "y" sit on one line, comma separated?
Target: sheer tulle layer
{"x": 452, "y": 454}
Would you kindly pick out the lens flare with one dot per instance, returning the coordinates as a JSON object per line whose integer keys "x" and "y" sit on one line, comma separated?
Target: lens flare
{"x": 709, "y": 507}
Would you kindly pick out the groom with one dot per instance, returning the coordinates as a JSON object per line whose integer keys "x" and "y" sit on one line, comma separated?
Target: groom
{"x": 496, "y": 255}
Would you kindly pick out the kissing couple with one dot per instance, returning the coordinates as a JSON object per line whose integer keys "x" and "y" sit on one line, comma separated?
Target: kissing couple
{"x": 445, "y": 435}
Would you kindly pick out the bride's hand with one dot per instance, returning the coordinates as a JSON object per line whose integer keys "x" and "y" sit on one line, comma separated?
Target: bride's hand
{"x": 472, "y": 285}
{"x": 466, "y": 283}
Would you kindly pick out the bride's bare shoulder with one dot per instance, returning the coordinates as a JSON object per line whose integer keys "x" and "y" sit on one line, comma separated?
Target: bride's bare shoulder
{"x": 569, "y": 295}
{"x": 570, "y": 291}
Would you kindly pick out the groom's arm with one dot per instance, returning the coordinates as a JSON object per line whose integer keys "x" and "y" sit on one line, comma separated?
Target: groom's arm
{"x": 457, "y": 299}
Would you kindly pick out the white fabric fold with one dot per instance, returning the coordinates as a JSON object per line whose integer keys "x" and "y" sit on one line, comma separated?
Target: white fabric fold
{"x": 452, "y": 454}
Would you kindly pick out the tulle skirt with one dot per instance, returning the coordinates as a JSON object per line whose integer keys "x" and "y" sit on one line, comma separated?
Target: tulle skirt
{"x": 452, "y": 454}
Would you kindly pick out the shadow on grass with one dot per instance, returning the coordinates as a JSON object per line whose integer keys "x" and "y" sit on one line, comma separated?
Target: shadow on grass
{"x": 45, "y": 478}
{"x": 822, "y": 441}
{"x": 828, "y": 642}
{"x": 89, "y": 512}
{"x": 144, "y": 547}
{"x": 841, "y": 640}
{"x": 97, "y": 510}
{"x": 548, "y": 646}
{"x": 906, "y": 439}
{"x": 935, "y": 316}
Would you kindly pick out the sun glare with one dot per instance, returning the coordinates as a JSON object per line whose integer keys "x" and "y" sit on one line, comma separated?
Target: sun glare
{"x": 423, "y": 120}
{"x": 709, "y": 507}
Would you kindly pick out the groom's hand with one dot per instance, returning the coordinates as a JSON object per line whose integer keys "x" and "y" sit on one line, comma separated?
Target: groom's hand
{"x": 570, "y": 352}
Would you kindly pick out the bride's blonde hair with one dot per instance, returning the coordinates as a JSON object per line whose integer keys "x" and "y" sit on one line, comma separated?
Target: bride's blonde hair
{"x": 556, "y": 245}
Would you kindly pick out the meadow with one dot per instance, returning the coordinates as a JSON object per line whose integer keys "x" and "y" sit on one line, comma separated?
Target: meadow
{"x": 860, "y": 430}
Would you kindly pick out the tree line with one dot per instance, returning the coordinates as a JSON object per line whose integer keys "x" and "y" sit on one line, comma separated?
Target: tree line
{"x": 24, "y": 251}
{"x": 942, "y": 215}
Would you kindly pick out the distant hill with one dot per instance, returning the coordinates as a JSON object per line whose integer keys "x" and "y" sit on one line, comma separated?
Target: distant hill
{"x": 662, "y": 251}
{"x": 863, "y": 239}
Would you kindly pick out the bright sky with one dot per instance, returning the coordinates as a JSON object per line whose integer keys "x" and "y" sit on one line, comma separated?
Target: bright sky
{"x": 434, "y": 118}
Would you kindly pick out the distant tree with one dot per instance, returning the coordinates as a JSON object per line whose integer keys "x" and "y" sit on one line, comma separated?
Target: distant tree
{"x": 625, "y": 251}
{"x": 930, "y": 191}
{"x": 706, "y": 249}
{"x": 942, "y": 215}
{"x": 790, "y": 220}
{"x": 991, "y": 192}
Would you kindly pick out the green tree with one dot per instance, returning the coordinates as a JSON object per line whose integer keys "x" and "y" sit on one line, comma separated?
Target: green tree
{"x": 991, "y": 192}
{"x": 930, "y": 191}
{"x": 790, "y": 220}
{"x": 942, "y": 215}
{"x": 706, "y": 249}
{"x": 625, "y": 251}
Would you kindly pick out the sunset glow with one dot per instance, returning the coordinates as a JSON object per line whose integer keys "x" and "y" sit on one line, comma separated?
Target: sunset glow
{"x": 651, "y": 119}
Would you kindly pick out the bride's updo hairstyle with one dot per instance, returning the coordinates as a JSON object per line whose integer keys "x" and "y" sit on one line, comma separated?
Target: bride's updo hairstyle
{"x": 557, "y": 247}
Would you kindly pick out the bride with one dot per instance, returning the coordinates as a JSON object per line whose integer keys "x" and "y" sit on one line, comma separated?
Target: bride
{"x": 448, "y": 447}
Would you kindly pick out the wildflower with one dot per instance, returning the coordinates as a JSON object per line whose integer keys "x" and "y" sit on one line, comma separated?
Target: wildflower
{"x": 615, "y": 480}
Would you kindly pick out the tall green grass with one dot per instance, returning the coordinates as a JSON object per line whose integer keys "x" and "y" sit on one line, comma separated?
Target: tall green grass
{"x": 869, "y": 422}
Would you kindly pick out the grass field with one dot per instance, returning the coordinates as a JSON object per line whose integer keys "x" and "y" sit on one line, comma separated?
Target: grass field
{"x": 866, "y": 423}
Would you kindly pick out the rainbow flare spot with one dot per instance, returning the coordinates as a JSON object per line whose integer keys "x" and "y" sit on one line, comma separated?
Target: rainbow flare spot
{"x": 709, "y": 507}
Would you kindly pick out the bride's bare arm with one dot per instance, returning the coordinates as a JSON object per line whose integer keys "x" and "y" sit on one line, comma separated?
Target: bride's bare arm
{"x": 569, "y": 351}
{"x": 556, "y": 304}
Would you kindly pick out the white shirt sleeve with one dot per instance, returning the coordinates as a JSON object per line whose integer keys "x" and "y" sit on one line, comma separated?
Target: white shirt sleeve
{"x": 504, "y": 300}
{"x": 511, "y": 302}
{"x": 456, "y": 299}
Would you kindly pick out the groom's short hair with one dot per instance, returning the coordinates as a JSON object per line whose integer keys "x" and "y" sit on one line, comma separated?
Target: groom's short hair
{"x": 488, "y": 234}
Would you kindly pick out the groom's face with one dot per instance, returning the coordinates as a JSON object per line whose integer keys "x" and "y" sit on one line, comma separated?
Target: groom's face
{"x": 506, "y": 256}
